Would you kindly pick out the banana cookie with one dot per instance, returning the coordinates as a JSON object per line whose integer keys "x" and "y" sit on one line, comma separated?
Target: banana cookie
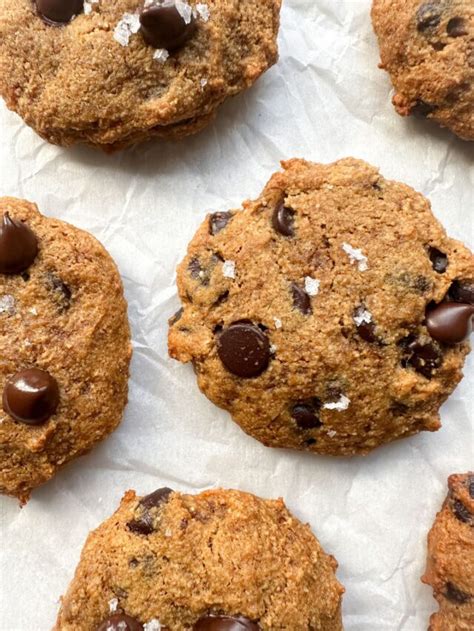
{"x": 331, "y": 314}
{"x": 111, "y": 73}
{"x": 222, "y": 560}
{"x": 428, "y": 50}
{"x": 64, "y": 345}
{"x": 450, "y": 566}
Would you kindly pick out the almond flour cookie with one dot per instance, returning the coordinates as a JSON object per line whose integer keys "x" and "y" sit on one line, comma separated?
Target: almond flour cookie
{"x": 428, "y": 50}
{"x": 331, "y": 314}
{"x": 64, "y": 345}
{"x": 218, "y": 561}
{"x": 450, "y": 566}
{"x": 111, "y": 73}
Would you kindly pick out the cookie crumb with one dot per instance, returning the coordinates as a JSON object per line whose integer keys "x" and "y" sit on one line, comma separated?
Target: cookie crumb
{"x": 277, "y": 322}
{"x": 356, "y": 256}
{"x": 128, "y": 26}
{"x": 311, "y": 286}
{"x": 228, "y": 269}
{"x": 7, "y": 304}
{"x": 362, "y": 316}
{"x": 161, "y": 55}
{"x": 202, "y": 10}
{"x": 341, "y": 404}
{"x": 113, "y": 604}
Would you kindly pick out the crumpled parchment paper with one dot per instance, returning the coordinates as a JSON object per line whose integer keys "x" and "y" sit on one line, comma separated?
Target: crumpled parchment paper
{"x": 326, "y": 99}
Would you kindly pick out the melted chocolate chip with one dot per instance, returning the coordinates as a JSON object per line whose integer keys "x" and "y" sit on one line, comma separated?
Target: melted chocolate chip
{"x": 31, "y": 396}
{"x": 225, "y": 623}
{"x": 456, "y": 27}
{"x": 428, "y": 16}
{"x": 450, "y": 322}
{"x": 120, "y": 622}
{"x": 462, "y": 291}
{"x": 461, "y": 512}
{"x": 163, "y": 26}
{"x": 422, "y": 108}
{"x": 305, "y": 414}
{"x": 424, "y": 357}
{"x": 470, "y": 485}
{"x": 18, "y": 246}
{"x": 283, "y": 220}
{"x": 176, "y": 317}
{"x": 301, "y": 299}
{"x": 218, "y": 221}
{"x": 244, "y": 349}
{"x": 59, "y": 11}
{"x": 144, "y": 524}
{"x": 455, "y": 594}
{"x": 438, "y": 259}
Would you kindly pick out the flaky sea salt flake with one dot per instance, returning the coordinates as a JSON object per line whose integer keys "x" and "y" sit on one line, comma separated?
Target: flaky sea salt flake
{"x": 185, "y": 10}
{"x": 202, "y": 10}
{"x": 153, "y": 625}
{"x": 363, "y": 316}
{"x": 126, "y": 27}
{"x": 273, "y": 349}
{"x": 113, "y": 604}
{"x": 331, "y": 433}
{"x": 311, "y": 286}
{"x": 203, "y": 83}
{"x": 7, "y": 304}
{"x": 341, "y": 404}
{"x": 88, "y": 6}
{"x": 356, "y": 256}
{"x": 161, "y": 55}
{"x": 277, "y": 322}
{"x": 228, "y": 269}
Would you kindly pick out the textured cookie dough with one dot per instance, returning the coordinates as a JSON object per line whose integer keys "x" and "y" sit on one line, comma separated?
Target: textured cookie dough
{"x": 428, "y": 50}
{"x": 65, "y": 317}
{"x": 175, "y": 560}
{"x": 312, "y": 317}
{"x": 96, "y": 80}
{"x": 450, "y": 566}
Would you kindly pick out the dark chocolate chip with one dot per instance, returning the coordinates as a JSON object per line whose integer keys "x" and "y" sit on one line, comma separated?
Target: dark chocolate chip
{"x": 143, "y": 525}
{"x": 438, "y": 259}
{"x": 31, "y": 396}
{"x": 194, "y": 268}
{"x": 218, "y": 221}
{"x": 424, "y": 357}
{"x": 422, "y": 108}
{"x": 461, "y": 512}
{"x": 305, "y": 414}
{"x": 163, "y": 26}
{"x": 18, "y": 246}
{"x": 59, "y": 11}
{"x": 120, "y": 622}
{"x": 470, "y": 483}
{"x": 456, "y": 27}
{"x": 450, "y": 322}
{"x": 455, "y": 594}
{"x": 244, "y": 349}
{"x": 366, "y": 330}
{"x": 301, "y": 299}
{"x": 462, "y": 291}
{"x": 428, "y": 16}
{"x": 309, "y": 442}
{"x": 176, "y": 317}
{"x": 225, "y": 623}
{"x": 283, "y": 220}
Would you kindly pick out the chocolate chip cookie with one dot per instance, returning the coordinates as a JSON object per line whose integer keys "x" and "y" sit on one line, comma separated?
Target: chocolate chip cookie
{"x": 111, "y": 73}
{"x": 64, "y": 345}
{"x": 329, "y": 315}
{"x": 218, "y": 561}
{"x": 450, "y": 566}
{"x": 428, "y": 50}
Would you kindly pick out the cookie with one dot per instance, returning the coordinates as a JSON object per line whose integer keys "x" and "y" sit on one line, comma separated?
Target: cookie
{"x": 222, "y": 560}
{"x": 64, "y": 345}
{"x": 331, "y": 314}
{"x": 450, "y": 566}
{"x": 111, "y": 73}
{"x": 428, "y": 50}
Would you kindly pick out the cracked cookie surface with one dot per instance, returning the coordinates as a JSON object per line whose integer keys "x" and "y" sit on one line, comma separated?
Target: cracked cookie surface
{"x": 325, "y": 315}
{"x": 450, "y": 565}
{"x": 428, "y": 50}
{"x": 96, "y": 79}
{"x": 64, "y": 345}
{"x": 182, "y": 562}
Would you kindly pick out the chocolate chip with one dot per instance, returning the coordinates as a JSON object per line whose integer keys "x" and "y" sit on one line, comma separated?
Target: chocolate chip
{"x": 59, "y": 11}
{"x": 462, "y": 291}
{"x": 305, "y": 414}
{"x": 424, "y": 357}
{"x": 422, "y": 108}
{"x": 454, "y": 594}
{"x": 218, "y": 221}
{"x": 461, "y": 512}
{"x": 163, "y": 26}
{"x": 176, "y": 317}
{"x": 120, "y": 622}
{"x": 31, "y": 396}
{"x": 428, "y": 16}
{"x": 144, "y": 524}
{"x": 194, "y": 268}
{"x": 456, "y": 27}
{"x": 18, "y": 246}
{"x": 62, "y": 292}
{"x": 244, "y": 349}
{"x": 366, "y": 330}
{"x": 450, "y": 322}
{"x": 283, "y": 220}
{"x": 438, "y": 259}
{"x": 470, "y": 483}
{"x": 301, "y": 299}
{"x": 225, "y": 623}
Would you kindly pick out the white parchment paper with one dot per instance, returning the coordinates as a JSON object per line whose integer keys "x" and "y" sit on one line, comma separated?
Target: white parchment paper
{"x": 326, "y": 99}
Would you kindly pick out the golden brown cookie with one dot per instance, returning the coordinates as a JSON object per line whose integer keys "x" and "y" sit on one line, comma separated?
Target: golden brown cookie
{"x": 218, "y": 561}
{"x": 428, "y": 50}
{"x": 64, "y": 345}
{"x": 331, "y": 314}
{"x": 450, "y": 565}
{"x": 111, "y": 73}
